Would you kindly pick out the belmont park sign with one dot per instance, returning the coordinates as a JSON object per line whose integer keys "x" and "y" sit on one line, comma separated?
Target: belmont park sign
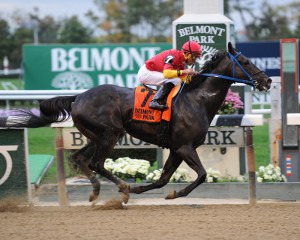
{"x": 84, "y": 66}
{"x": 216, "y": 136}
{"x": 202, "y": 33}
{"x": 211, "y": 37}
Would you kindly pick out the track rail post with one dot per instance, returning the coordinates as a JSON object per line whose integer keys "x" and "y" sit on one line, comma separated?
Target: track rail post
{"x": 251, "y": 166}
{"x": 60, "y": 174}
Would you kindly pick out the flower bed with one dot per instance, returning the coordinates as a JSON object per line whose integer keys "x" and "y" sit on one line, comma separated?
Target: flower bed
{"x": 138, "y": 169}
{"x": 270, "y": 173}
{"x": 125, "y": 168}
{"x": 181, "y": 175}
{"x": 231, "y": 104}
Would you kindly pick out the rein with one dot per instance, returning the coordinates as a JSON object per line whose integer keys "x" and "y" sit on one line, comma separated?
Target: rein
{"x": 234, "y": 60}
{"x": 249, "y": 82}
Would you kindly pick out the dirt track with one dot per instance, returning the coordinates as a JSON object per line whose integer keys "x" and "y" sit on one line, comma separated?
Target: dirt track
{"x": 113, "y": 221}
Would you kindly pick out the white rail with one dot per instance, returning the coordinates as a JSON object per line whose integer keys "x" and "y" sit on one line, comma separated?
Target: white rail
{"x": 261, "y": 111}
{"x": 35, "y": 94}
{"x": 46, "y": 94}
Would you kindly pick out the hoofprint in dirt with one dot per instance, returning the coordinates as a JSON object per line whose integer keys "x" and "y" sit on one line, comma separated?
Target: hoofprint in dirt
{"x": 115, "y": 221}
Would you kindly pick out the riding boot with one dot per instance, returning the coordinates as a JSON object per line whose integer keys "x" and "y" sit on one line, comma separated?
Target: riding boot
{"x": 159, "y": 101}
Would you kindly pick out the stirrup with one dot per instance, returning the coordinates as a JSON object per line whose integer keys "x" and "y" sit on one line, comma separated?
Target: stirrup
{"x": 156, "y": 106}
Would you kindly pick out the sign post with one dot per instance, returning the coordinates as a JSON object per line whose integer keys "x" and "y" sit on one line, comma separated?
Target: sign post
{"x": 14, "y": 165}
{"x": 289, "y": 102}
{"x": 205, "y": 24}
{"x": 61, "y": 183}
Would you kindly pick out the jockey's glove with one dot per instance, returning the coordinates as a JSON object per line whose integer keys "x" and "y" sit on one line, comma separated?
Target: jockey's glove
{"x": 186, "y": 78}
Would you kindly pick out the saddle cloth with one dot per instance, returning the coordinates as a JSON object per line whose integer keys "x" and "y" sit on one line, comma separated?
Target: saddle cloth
{"x": 141, "y": 110}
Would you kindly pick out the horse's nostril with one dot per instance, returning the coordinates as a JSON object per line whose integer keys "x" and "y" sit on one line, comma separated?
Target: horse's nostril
{"x": 269, "y": 81}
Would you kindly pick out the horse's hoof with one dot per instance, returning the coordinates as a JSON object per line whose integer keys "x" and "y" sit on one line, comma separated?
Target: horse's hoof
{"x": 171, "y": 195}
{"x": 93, "y": 197}
{"x": 125, "y": 196}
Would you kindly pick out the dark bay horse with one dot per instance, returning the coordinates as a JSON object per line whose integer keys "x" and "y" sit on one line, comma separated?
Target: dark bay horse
{"x": 103, "y": 113}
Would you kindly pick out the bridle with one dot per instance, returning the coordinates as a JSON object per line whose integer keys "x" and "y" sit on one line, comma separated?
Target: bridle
{"x": 250, "y": 81}
{"x": 235, "y": 61}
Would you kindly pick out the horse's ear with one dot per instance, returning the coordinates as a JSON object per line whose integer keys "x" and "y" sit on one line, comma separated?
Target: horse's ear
{"x": 230, "y": 48}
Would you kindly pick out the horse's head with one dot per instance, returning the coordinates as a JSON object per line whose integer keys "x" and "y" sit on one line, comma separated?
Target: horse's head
{"x": 241, "y": 67}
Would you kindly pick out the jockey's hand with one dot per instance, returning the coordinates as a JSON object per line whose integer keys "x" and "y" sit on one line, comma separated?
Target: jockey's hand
{"x": 189, "y": 71}
{"x": 188, "y": 78}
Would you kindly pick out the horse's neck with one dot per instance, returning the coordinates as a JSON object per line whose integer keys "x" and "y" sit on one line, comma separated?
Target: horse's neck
{"x": 212, "y": 93}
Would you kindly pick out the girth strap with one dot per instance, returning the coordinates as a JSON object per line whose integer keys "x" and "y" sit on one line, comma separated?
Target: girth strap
{"x": 163, "y": 137}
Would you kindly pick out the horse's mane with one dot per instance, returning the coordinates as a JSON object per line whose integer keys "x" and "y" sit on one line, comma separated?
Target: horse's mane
{"x": 213, "y": 62}
{"x": 208, "y": 66}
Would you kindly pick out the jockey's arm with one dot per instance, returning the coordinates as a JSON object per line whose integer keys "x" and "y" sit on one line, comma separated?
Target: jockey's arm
{"x": 171, "y": 73}
{"x": 182, "y": 74}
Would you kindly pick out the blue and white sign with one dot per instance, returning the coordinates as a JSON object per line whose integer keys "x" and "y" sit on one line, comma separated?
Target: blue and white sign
{"x": 265, "y": 55}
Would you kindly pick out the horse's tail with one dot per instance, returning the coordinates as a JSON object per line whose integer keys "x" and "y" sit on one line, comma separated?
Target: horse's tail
{"x": 52, "y": 110}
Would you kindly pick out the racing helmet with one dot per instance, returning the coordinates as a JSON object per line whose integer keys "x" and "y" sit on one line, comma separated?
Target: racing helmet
{"x": 192, "y": 47}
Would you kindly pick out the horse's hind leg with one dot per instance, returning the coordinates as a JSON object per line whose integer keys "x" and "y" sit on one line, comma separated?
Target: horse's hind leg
{"x": 81, "y": 158}
{"x": 170, "y": 167}
{"x": 104, "y": 145}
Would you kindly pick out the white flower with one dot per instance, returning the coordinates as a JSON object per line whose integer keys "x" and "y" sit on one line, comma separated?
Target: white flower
{"x": 259, "y": 179}
{"x": 212, "y": 175}
{"x": 270, "y": 173}
{"x": 284, "y": 178}
{"x": 261, "y": 168}
{"x": 180, "y": 175}
{"x": 150, "y": 176}
{"x": 156, "y": 177}
{"x": 126, "y": 167}
{"x": 210, "y": 179}
{"x": 266, "y": 176}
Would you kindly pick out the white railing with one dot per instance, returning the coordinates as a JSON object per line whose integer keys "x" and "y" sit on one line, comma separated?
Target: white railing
{"x": 260, "y": 99}
{"x": 8, "y": 95}
{"x": 35, "y": 94}
{"x": 7, "y": 72}
{"x": 261, "y": 111}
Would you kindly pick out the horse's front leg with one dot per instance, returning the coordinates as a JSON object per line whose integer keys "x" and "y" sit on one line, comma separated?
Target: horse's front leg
{"x": 190, "y": 156}
{"x": 170, "y": 167}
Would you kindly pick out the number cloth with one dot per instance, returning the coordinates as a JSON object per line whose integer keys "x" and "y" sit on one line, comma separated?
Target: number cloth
{"x": 142, "y": 112}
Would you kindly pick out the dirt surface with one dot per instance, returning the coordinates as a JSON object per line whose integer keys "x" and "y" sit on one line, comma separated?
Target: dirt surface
{"x": 113, "y": 221}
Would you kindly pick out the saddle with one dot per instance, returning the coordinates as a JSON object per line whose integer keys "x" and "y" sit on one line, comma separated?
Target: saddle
{"x": 142, "y": 112}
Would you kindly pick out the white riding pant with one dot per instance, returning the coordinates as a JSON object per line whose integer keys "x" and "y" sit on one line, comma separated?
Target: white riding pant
{"x": 148, "y": 77}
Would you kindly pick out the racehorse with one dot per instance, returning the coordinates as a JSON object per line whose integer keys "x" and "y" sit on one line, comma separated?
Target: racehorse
{"x": 104, "y": 113}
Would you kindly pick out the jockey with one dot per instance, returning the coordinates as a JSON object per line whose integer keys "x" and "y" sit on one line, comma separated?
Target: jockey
{"x": 168, "y": 69}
